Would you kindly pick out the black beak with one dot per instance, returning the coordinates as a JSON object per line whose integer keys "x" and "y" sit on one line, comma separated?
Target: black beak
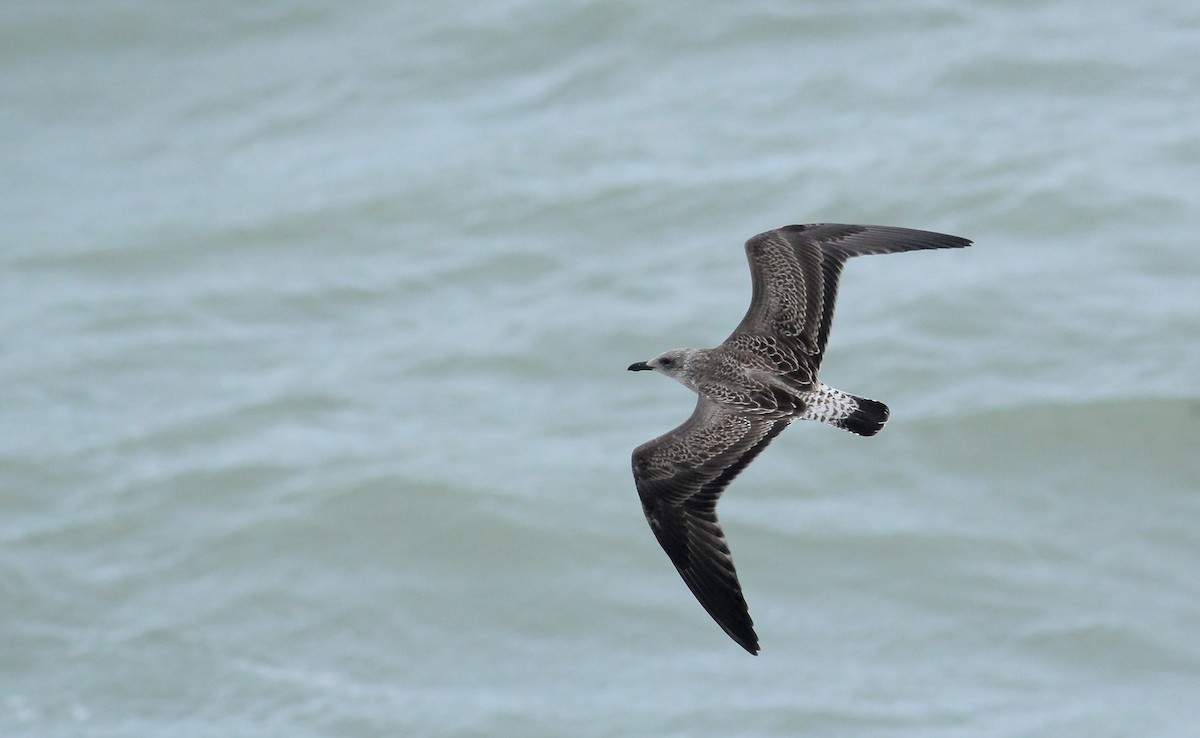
{"x": 641, "y": 366}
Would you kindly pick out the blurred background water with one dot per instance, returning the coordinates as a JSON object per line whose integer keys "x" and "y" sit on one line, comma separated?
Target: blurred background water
{"x": 314, "y": 321}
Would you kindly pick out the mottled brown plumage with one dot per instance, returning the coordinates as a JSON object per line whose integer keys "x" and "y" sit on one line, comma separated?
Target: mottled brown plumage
{"x": 750, "y": 388}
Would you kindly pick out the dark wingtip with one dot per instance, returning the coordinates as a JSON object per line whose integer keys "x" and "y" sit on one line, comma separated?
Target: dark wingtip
{"x": 742, "y": 634}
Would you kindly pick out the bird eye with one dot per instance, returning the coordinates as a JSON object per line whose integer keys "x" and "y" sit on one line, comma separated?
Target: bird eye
{"x": 666, "y": 361}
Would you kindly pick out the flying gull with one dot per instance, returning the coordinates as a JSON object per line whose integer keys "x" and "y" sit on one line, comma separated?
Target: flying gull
{"x": 750, "y": 388}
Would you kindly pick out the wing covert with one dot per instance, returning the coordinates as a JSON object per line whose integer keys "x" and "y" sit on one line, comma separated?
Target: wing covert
{"x": 795, "y": 272}
{"x": 680, "y": 477}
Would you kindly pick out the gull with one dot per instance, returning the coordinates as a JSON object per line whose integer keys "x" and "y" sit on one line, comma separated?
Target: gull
{"x": 751, "y": 387}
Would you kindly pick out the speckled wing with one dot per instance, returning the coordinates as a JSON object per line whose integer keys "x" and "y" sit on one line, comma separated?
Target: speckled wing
{"x": 795, "y": 272}
{"x": 680, "y": 476}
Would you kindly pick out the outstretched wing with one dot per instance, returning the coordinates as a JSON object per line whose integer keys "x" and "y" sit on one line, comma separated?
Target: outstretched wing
{"x": 680, "y": 476}
{"x": 795, "y": 272}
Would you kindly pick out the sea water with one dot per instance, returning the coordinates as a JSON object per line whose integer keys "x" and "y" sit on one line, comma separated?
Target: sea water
{"x": 314, "y": 321}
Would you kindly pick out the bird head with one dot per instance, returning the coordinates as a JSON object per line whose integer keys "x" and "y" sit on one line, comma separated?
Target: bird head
{"x": 676, "y": 364}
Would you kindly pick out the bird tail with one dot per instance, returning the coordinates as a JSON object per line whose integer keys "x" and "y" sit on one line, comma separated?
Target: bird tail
{"x": 867, "y": 419}
{"x": 846, "y": 411}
